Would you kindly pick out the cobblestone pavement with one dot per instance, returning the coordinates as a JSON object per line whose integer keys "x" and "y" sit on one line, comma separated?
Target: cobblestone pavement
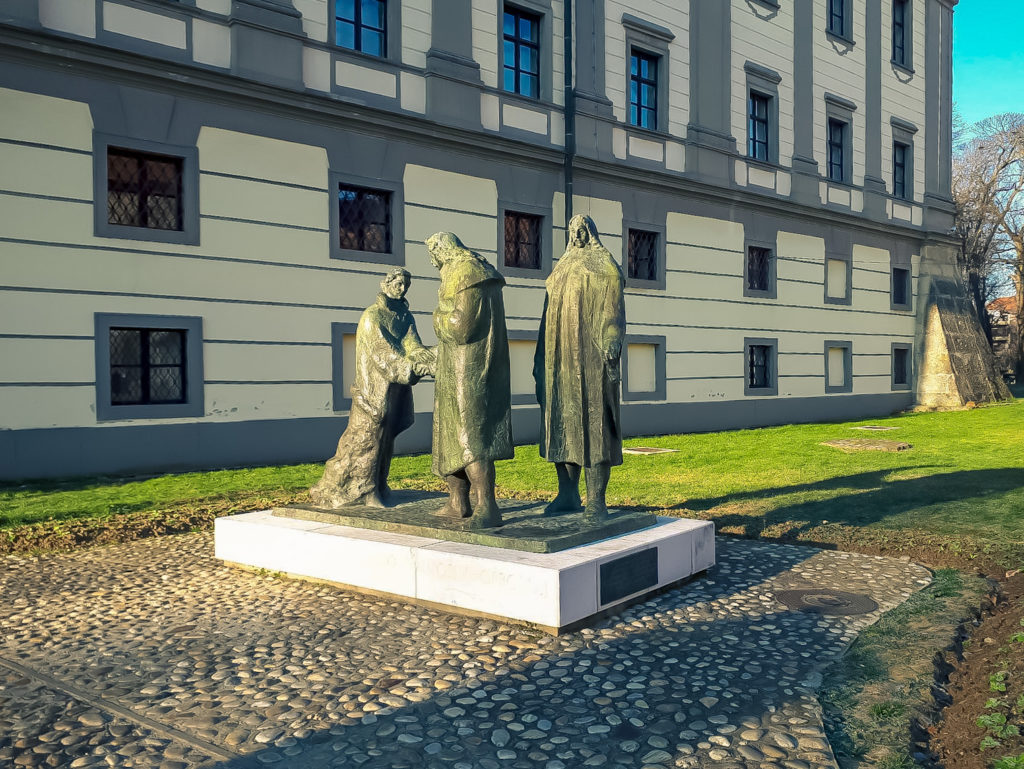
{"x": 153, "y": 654}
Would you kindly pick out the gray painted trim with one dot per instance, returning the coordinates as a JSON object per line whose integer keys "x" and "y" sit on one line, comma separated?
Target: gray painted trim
{"x": 847, "y": 386}
{"x": 764, "y": 82}
{"x": 340, "y": 399}
{"x": 899, "y": 124}
{"x": 524, "y": 399}
{"x": 837, "y": 108}
{"x": 772, "y": 245}
{"x": 804, "y": 190}
{"x": 646, "y": 27}
{"x": 266, "y": 43}
{"x": 711, "y": 70}
{"x": 397, "y": 254}
{"x": 908, "y": 385}
{"x": 932, "y": 93}
{"x": 773, "y": 366}
{"x": 189, "y": 233}
{"x": 873, "y": 180}
{"x": 590, "y": 57}
{"x": 847, "y": 258}
{"x": 655, "y": 45}
{"x": 660, "y": 231}
{"x": 659, "y": 392}
{"x": 771, "y": 5}
{"x": 840, "y": 102}
{"x": 194, "y": 405}
{"x": 906, "y": 138}
{"x": 909, "y": 305}
{"x": 762, "y": 73}
{"x": 546, "y": 215}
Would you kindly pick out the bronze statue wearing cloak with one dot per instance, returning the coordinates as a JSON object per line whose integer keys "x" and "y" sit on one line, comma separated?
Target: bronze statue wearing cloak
{"x": 472, "y": 391}
{"x": 576, "y": 369}
{"x": 390, "y": 358}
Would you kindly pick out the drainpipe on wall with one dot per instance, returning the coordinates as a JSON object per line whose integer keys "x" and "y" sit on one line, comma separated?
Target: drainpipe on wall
{"x": 570, "y": 110}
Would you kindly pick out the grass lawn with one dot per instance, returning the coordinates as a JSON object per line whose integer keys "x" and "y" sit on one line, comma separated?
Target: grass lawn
{"x": 961, "y": 486}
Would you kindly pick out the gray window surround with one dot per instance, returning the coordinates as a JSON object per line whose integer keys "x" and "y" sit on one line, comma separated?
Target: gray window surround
{"x": 773, "y": 366}
{"x": 523, "y": 399}
{"x": 908, "y": 41}
{"x": 840, "y": 109}
{"x": 541, "y": 8}
{"x": 771, "y": 5}
{"x": 392, "y": 34}
{"x": 653, "y": 40}
{"x": 340, "y": 399}
{"x": 845, "y": 35}
{"x": 847, "y": 386}
{"x": 910, "y": 365}
{"x": 649, "y": 226}
{"x": 907, "y": 306}
{"x": 189, "y": 232}
{"x": 840, "y": 256}
{"x": 194, "y": 405}
{"x": 772, "y": 246}
{"x": 397, "y": 254}
{"x": 903, "y": 132}
{"x": 765, "y": 82}
{"x": 545, "y": 213}
{"x": 660, "y": 381}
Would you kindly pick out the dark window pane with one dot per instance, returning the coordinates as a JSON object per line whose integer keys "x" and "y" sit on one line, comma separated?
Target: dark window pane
{"x": 147, "y": 366}
{"x": 642, "y": 262}
{"x": 521, "y": 52}
{"x": 643, "y": 90}
{"x": 143, "y": 189}
{"x": 759, "y": 262}
{"x": 125, "y": 346}
{"x": 522, "y": 240}
{"x": 900, "y": 286}
{"x": 836, "y": 150}
{"x": 758, "y": 127}
{"x": 759, "y": 366}
{"x": 364, "y": 219}
{"x": 901, "y": 366}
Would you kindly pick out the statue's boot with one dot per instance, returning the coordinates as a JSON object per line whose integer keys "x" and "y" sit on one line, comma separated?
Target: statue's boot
{"x": 457, "y": 505}
{"x": 597, "y": 484}
{"x": 486, "y": 513}
{"x": 372, "y": 499}
{"x": 568, "y": 499}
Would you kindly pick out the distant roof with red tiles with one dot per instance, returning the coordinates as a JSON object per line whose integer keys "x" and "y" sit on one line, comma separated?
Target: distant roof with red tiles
{"x": 1007, "y": 304}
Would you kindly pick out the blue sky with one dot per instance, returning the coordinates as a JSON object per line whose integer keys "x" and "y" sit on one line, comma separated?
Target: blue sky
{"x": 988, "y": 57}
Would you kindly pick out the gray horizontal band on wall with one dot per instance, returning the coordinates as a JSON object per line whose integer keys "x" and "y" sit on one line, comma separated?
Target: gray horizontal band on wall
{"x": 43, "y": 146}
{"x": 37, "y": 196}
{"x": 276, "y": 343}
{"x": 241, "y": 178}
{"x": 267, "y": 381}
{"x": 845, "y": 309}
{"x": 72, "y": 337}
{"x": 257, "y": 222}
{"x": 641, "y": 324}
{"x": 701, "y": 245}
{"x": 47, "y": 384}
{"x": 200, "y": 445}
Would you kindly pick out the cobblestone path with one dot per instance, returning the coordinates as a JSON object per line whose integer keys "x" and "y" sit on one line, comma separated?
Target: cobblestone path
{"x": 153, "y": 654}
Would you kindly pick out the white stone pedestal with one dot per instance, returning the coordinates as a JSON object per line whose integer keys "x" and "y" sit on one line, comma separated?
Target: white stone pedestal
{"x": 554, "y": 591}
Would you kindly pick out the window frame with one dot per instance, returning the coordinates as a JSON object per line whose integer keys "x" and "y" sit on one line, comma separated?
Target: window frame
{"x": 392, "y": 33}
{"x": 772, "y": 291}
{"x": 651, "y": 40}
{"x": 523, "y": 335}
{"x": 845, "y": 33}
{"x": 773, "y": 366}
{"x": 340, "y": 400}
{"x": 544, "y": 213}
{"x": 839, "y": 110}
{"x": 660, "y": 231}
{"x": 847, "y": 386}
{"x": 189, "y": 155}
{"x": 194, "y": 405}
{"x": 660, "y": 381}
{"x": 909, "y": 348}
{"x": 907, "y": 306}
{"x": 652, "y": 60}
{"x": 837, "y": 256}
{"x": 394, "y": 257}
{"x": 903, "y": 133}
{"x": 764, "y": 82}
{"x": 907, "y": 62}
{"x": 539, "y": 16}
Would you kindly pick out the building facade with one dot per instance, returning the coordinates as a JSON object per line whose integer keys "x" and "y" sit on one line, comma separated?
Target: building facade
{"x": 200, "y": 197}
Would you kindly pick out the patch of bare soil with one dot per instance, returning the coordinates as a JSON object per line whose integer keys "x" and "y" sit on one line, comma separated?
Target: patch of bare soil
{"x": 986, "y": 683}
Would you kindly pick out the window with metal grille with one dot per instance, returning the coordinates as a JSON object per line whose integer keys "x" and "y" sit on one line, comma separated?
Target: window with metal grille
{"x": 643, "y": 90}
{"x": 361, "y": 25}
{"x": 147, "y": 366}
{"x": 521, "y": 52}
{"x": 899, "y": 31}
{"x": 900, "y": 286}
{"x": 759, "y": 361}
{"x": 522, "y": 240}
{"x": 836, "y": 150}
{"x": 143, "y": 189}
{"x": 837, "y": 17}
{"x": 757, "y": 145}
{"x": 364, "y": 219}
{"x": 642, "y": 259}
{"x": 900, "y": 366}
{"x": 759, "y": 268}
{"x": 899, "y": 170}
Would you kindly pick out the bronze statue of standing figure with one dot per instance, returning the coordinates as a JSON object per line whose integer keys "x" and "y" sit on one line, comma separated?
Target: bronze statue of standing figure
{"x": 576, "y": 369}
{"x": 472, "y": 391}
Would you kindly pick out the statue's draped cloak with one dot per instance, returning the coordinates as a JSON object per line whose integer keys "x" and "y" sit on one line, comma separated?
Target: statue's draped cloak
{"x": 577, "y": 385}
{"x": 472, "y": 400}
{"x": 387, "y": 344}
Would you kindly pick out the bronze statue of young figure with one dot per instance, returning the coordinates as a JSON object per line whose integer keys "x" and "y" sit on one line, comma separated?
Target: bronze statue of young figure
{"x": 390, "y": 358}
{"x": 472, "y": 390}
{"x": 576, "y": 369}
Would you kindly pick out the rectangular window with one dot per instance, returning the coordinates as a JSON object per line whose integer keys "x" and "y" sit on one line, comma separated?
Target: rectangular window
{"x": 759, "y": 268}
{"x": 759, "y": 366}
{"x": 899, "y": 170}
{"x": 364, "y": 219}
{"x": 900, "y": 287}
{"x": 899, "y": 32}
{"x": 523, "y": 240}
{"x": 642, "y": 255}
{"x": 837, "y": 17}
{"x": 643, "y": 90}
{"x": 147, "y": 366}
{"x": 758, "y": 126}
{"x": 144, "y": 189}
{"x": 837, "y": 150}
{"x": 521, "y": 52}
{"x": 900, "y": 366}
{"x": 361, "y": 25}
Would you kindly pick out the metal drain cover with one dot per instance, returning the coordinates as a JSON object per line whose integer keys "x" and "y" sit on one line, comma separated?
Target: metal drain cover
{"x": 829, "y": 602}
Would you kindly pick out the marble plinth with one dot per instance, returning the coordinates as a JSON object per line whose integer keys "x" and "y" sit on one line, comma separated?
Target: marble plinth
{"x": 551, "y": 591}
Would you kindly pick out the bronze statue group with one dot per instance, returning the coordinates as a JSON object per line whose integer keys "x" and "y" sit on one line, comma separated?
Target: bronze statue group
{"x": 576, "y": 369}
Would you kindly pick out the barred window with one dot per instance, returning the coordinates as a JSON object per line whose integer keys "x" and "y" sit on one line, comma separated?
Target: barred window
{"x": 642, "y": 263}
{"x": 759, "y": 375}
{"x": 759, "y": 268}
{"x": 144, "y": 189}
{"x": 836, "y": 150}
{"x": 147, "y": 366}
{"x": 521, "y": 52}
{"x": 364, "y": 219}
{"x": 643, "y": 90}
{"x": 758, "y": 126}
{"x": 522, "y": 240}
{"x": 361, "y": 25}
